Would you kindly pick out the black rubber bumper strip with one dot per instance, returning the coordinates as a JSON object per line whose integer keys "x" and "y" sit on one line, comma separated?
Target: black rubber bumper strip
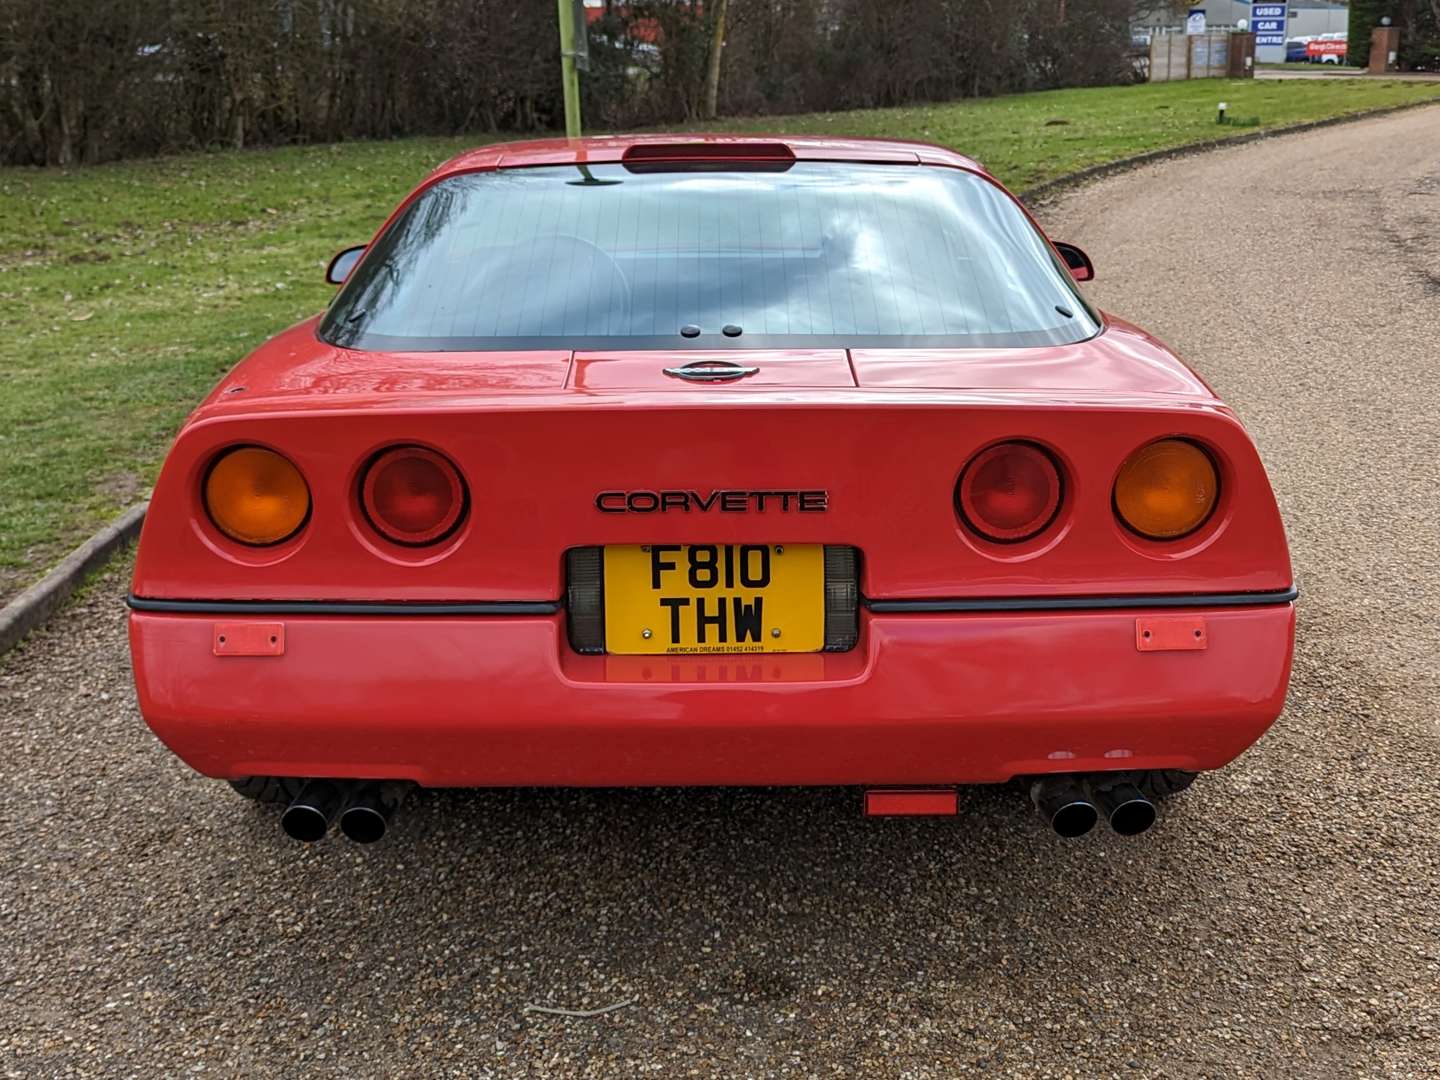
{"x": 551, "y": 607}
{"x": 344, "y": 607}
{"x": 1085, "y": 603}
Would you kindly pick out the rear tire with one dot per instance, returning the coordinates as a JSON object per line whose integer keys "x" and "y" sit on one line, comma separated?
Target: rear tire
{"x": 269, "y": 789}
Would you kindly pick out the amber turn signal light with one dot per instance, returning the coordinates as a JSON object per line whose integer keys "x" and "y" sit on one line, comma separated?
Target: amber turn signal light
{"x": 1166, "y": 489}
{"x": 1009, "y": 492}
{"x": 413, "y": 496}
{"x": 256, "y": 496}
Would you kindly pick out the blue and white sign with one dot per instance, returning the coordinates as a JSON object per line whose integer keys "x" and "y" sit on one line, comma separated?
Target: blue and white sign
{"x": 1195, "y": 21}
{"x": 1267, "y": 22}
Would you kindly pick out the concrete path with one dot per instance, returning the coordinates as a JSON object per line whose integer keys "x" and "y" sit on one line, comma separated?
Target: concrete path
{"x": 1281, "y": 921}
{"x": 1327, "y": 71}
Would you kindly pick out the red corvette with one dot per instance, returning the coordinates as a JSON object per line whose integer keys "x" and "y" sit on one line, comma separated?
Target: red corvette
{"x": 629, "y": 461}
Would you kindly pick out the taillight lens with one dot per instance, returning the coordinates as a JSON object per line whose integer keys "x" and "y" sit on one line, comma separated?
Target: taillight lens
{"x": 256, "y": 496}
{"x": 1009, "y": 492}
{"x": 412, "y": 495}
{"x": 1167, "y": 489}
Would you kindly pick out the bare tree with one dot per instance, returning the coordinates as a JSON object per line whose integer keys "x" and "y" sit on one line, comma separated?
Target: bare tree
{"x": 90, "y": 80}
{"x": 717, "y": 44}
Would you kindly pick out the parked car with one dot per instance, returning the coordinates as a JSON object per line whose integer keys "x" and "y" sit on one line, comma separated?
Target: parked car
{"x": 694, "y": 460}
{"x": 1295, "y": 50}
{"x": 1327, "y": 49}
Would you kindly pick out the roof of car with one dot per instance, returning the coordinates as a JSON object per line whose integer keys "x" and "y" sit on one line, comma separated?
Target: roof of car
{"x": 596, "y": 149}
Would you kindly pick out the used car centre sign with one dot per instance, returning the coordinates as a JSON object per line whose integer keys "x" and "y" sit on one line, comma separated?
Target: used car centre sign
{"x": 1267, "y": 21}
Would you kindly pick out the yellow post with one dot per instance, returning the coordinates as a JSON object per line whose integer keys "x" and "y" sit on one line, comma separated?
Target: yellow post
{"x": 568, "y": 76}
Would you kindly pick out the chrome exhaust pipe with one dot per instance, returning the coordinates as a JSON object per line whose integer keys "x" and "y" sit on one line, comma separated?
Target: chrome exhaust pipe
{"x": 1063, "y": 803}
{"x": 1129, "y": 812}
{"x": 368, "y": 815}
{"x": 309, "y": 816}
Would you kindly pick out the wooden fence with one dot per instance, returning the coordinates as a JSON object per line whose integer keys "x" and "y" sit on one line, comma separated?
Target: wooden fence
{"x": 1216, "y": 54}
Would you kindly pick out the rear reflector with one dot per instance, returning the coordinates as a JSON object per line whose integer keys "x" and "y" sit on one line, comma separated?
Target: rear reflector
{"x": 1171, "y": 633}
{"x": 248, "y": 639}
{"x": 911, "y": 802}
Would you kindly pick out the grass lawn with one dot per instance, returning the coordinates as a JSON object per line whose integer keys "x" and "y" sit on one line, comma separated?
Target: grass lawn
{"x": 127, "y": 290}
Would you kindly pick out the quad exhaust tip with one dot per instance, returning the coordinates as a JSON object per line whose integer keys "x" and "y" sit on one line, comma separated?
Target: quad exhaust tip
{"x": 1064, "y": 804}
{"x": 309, "y": 817}
{"x": 364, "y": 824}
{"x": 1129, "y": 812}
{"x": 364, "y": 809}
{"x": 1072, "y": 804}
{"x": 371, "y": 807}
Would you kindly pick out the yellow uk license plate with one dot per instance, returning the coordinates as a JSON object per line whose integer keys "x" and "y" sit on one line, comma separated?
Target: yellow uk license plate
{"x": 714, "y": 598}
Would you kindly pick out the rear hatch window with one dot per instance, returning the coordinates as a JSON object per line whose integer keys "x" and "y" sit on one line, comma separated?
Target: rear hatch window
{"x": 817, "y": 254}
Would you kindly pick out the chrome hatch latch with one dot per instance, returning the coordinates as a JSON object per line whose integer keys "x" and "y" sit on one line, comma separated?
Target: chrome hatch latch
{"x": 710, "y": 371}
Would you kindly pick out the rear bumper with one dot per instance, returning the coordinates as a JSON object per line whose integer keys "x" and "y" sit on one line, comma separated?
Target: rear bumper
{"x": 453, "y": 701}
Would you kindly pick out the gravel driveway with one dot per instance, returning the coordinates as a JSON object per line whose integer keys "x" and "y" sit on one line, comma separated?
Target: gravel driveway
{"x": 1282, "y": 920}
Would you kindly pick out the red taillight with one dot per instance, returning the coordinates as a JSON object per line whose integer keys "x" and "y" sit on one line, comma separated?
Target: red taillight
{"x": 413, "y": 495}
{"x": 1009, "y": 492}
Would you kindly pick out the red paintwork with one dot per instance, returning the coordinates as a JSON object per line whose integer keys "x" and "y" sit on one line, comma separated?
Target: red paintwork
{"x": 923, "y": 699}
{"x": 537, "y": 436}
{"x": 641, "y": 371}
